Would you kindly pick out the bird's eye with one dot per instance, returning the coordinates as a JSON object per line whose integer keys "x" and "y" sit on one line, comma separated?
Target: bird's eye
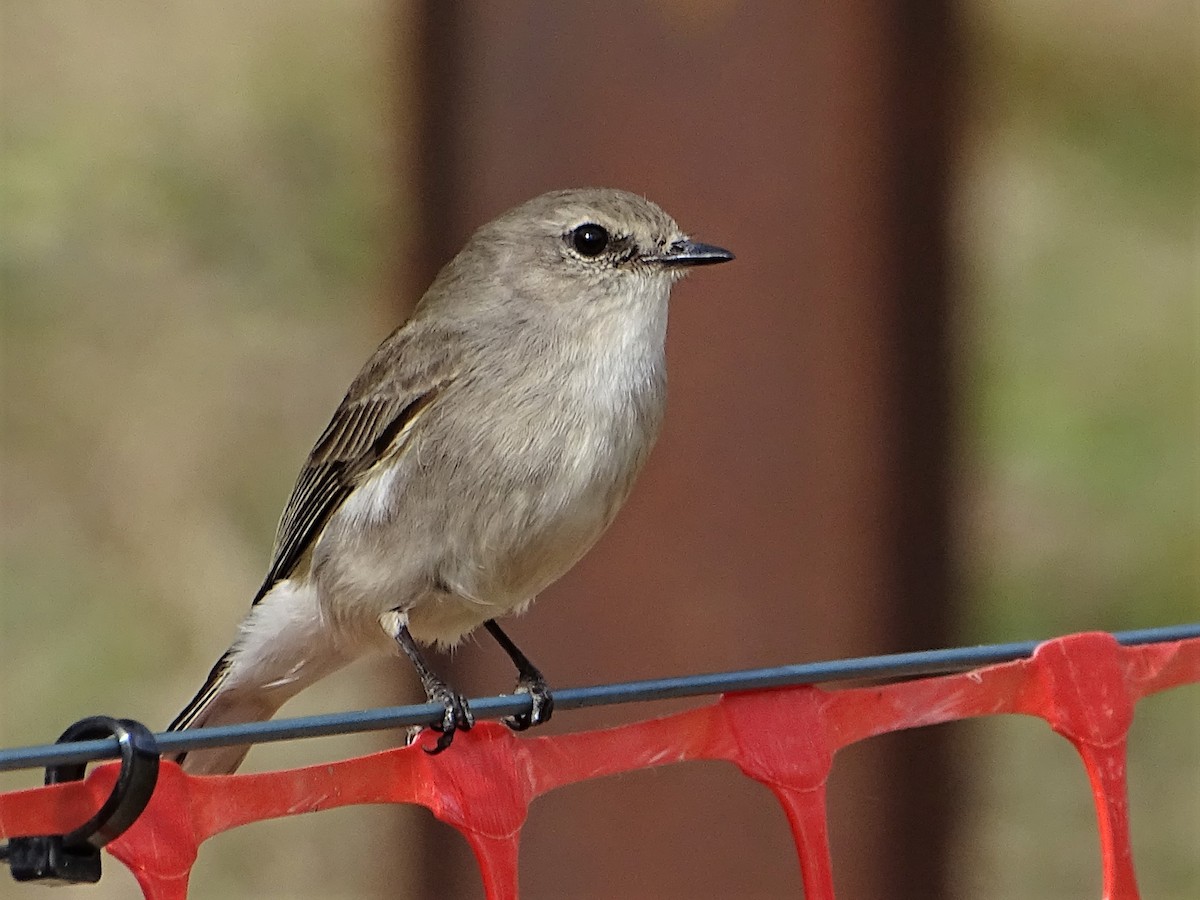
{"x": 590, "y": 239}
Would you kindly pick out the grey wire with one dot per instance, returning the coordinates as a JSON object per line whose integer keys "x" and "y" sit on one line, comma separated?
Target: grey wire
{"x": 896, "y": 665}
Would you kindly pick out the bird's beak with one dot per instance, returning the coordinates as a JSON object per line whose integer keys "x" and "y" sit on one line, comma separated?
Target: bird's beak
{"x": 686, "y": 252}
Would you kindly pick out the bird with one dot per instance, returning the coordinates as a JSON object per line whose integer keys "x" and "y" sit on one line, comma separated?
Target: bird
{"x": 481, "y": 451}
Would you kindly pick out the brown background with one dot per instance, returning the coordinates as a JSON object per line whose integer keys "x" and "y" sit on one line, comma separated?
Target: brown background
{"x": 796, "y": 507}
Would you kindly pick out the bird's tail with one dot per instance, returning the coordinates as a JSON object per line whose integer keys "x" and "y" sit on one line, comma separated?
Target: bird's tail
{"x": 218, "y": 703}
{"x": 284, "y": 645}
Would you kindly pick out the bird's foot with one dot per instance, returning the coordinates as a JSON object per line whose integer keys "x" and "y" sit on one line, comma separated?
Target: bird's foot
{"x": 457, "y": 715}
{"x": 542, "y": 703}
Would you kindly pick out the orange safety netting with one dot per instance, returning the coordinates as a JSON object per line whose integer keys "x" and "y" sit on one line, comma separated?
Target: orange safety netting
{"x": 1085, "y": 686}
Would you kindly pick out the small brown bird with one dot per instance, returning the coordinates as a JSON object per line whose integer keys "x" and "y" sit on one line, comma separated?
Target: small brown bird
{"x": 481, "y": 451}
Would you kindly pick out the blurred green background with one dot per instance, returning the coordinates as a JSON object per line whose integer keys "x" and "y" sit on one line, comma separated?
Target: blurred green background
{"x": 199, "y": 217}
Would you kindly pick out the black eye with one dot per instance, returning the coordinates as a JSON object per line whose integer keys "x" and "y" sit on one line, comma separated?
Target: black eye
{"x": 590, "y": 239}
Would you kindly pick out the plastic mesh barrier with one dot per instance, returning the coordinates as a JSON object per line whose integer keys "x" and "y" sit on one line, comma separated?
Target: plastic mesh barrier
{"x": 1085, "y": 686}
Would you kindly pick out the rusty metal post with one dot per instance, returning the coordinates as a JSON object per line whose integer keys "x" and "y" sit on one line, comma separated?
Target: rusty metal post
{"x": 797, "y": 506}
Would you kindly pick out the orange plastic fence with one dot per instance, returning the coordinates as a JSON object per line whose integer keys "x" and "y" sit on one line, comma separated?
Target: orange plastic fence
{"x": 1085, "y": 686}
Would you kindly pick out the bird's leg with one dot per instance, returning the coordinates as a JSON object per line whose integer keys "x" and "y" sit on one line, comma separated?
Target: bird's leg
{"x": 529, "y": 681}
{"x": 458, "y": 714}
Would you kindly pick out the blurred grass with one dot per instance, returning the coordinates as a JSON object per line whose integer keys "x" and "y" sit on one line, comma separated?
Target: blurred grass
{"x": 197, "y": 202}
{"x": 1081, "y": 232}
{"x": 1080, "y": 221}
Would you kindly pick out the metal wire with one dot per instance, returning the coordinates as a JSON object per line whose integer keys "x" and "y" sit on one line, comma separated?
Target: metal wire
{"x": 896, "y": 665}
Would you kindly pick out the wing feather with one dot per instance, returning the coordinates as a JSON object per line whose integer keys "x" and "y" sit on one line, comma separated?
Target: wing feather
{"x": 365, "y": 429}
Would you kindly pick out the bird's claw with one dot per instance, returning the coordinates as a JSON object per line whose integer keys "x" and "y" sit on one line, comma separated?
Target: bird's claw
{"x": 541, "y": 704}
{"x": 457, "y": 715}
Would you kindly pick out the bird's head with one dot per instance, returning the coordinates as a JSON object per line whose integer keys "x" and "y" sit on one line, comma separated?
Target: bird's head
{"x": 578, "y": 247}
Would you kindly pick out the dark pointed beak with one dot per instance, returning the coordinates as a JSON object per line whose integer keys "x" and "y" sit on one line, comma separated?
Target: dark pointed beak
{"x": 692, "y": 253}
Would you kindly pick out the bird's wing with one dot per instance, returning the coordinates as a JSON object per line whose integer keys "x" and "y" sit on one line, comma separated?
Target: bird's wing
{"x": 368, "y": 426}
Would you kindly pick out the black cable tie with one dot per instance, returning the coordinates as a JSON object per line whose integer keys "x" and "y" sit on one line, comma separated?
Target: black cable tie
{"x": 74, "y": 858}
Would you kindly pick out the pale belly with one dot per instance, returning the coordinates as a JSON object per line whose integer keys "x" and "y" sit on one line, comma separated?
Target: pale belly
{"x": 426, "y": 539}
